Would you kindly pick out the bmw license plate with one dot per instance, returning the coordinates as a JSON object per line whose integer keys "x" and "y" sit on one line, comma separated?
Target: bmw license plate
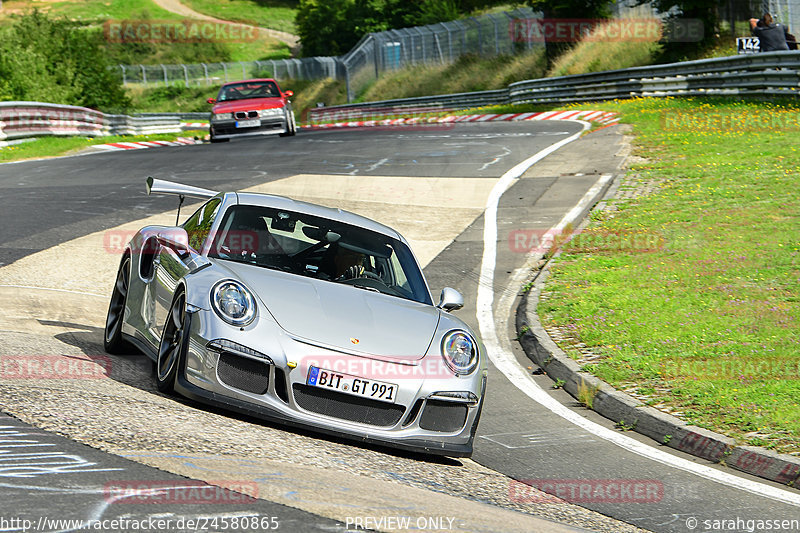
{"x": 248, "y": 123}
{"x": 356, "y": 386}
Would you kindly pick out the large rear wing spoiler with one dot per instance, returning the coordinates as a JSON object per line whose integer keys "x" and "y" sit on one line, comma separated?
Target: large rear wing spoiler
{"x": 156, "y": 186}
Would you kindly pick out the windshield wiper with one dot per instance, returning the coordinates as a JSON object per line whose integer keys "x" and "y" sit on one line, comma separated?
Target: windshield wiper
{"x": 372, "y": 289}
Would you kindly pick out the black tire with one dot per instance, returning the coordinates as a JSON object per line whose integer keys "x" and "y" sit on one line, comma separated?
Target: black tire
{"x": 291, "y": 125}
{"x": 214, "y": 139}
{"x": 173, "y": 345}
{"x": 113, "y": 342}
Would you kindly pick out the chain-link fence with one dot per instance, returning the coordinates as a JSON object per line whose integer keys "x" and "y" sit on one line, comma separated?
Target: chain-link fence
{"x": 786, "y": 12}
{"x": 309, "y": 68}
{"x": 491, "y": 34}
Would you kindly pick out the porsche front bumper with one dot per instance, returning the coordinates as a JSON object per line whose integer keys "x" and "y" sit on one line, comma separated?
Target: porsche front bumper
{"x": 268, "y": 378}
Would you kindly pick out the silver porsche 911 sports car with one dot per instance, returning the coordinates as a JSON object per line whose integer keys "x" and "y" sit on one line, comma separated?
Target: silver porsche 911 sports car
{"x": 295, "y": 312}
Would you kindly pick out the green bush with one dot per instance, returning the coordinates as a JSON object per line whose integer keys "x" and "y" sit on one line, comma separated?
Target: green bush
{"x": 53, "y": 60}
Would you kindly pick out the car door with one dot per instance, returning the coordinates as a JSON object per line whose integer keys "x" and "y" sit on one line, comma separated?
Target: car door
{"x": 178, "y": 251}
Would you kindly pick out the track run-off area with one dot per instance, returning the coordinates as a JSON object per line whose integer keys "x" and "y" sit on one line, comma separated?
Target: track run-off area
{"x": 460, "y": 193}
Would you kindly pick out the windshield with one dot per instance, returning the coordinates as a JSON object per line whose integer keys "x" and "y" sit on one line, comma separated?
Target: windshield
{"x": 253, "y": 89}
{"x": 319, "y": 248}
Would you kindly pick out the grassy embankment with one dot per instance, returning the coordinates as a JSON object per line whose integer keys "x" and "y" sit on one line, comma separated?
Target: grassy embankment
{"x": 94, "y": 13}
{"x": 705, "y": 323}
{"x": 273, "y": 14}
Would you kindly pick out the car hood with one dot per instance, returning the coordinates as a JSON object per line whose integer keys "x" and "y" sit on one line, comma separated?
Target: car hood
{"x": 340, "y": 316}
{"x": 247, "y": 105}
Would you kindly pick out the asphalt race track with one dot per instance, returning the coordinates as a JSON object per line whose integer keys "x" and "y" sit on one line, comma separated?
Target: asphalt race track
{"x": 60, "y": 223}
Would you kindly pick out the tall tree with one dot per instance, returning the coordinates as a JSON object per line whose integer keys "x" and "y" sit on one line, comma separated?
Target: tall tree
{"x": 54, "y": 60}
{"x": 687, "y": 37}
{"x": 569, "y": 9}
{"x": 333, "y": 27}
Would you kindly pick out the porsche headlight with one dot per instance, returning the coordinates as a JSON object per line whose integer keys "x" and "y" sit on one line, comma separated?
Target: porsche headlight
{"x": 460, "y": 352}
{"x": 233, "y": 302}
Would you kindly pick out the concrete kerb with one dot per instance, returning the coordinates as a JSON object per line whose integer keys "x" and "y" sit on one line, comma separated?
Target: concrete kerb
{"x": 631, "y": 413}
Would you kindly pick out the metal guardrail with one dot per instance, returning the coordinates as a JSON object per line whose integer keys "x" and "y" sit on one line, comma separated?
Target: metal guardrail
{"x": 194, "y": 115}
{"x": 21, "y": 120}
{"x": 769, "y": 74}
{"x": 425, "y": 104}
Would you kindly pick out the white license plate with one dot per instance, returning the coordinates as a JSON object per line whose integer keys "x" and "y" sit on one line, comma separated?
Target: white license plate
{"x": 248, "y": 123}
{"x": 356, "y": 386}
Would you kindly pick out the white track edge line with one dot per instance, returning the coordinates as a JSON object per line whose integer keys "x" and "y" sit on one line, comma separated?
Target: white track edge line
{"x": 506, "y": 363}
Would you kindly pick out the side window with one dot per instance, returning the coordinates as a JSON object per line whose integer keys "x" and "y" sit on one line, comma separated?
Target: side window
{"x": 199, "y": 224}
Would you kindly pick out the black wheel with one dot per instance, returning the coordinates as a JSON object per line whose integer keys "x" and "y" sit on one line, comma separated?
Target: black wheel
{"x": 112, "y": 337}
{"x": 214, "y": 139}
{"x": 172, "y": 348}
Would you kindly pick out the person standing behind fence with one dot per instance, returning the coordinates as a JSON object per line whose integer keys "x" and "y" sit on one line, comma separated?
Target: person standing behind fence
{"x": 772, "y": 36}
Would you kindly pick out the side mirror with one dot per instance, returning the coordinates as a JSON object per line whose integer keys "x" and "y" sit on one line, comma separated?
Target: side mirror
{"x": 212, "y": 100}
{"x": 450, "y": 300}
{"x": 176, "y": 238}
{"x": 288, "y": 94}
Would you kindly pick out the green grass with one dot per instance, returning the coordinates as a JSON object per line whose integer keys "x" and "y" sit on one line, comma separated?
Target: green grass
{"x": 172, "y": 99}
{"x": 707, "y": 322}
{"x": 467, "y": 73}
{"x": 94, "y": 13}
{"x": 57, "y": 146}
{"x": 599, "y": 55}
{"x": 93, "y": 10}
{"x": 274, "y": 14}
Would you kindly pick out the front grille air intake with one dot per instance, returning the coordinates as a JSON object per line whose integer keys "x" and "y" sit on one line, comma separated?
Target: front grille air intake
{"x": 347, "y": 407}
{"x": 243, "y": 373}
{"x": 444, "y": 416}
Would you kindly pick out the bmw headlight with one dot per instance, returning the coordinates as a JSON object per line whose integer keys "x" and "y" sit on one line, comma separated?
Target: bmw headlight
{"x": 221, "y": 116}
{"x": 275, "y": 111}
{"x": 233, "y": 302}
{"x": 460, "y": 352}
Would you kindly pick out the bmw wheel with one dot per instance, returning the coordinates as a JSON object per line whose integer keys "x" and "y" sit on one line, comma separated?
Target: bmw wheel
{"x": 291, "y": 125}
